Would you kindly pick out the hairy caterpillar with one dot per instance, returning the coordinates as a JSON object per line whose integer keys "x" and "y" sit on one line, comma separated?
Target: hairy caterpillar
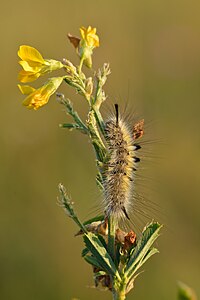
{"x": 118, "y": 177}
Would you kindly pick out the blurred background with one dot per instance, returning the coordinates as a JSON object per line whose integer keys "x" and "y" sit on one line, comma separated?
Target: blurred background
{"x": 154, "y": 51}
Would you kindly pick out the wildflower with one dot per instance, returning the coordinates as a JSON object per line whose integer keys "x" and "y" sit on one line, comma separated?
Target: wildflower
{"x": 89, "y": 41}
{"x": 89, "y": 37}
{"x": 34, "y": 65}
{"x": 84, "y": 46}
{"x": 38, "y": 97}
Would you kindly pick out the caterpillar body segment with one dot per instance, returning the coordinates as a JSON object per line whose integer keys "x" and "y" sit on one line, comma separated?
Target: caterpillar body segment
{"x": 118, "y": 178}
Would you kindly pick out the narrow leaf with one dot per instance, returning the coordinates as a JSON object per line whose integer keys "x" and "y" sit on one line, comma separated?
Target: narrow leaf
{"x": 150, "y": 253}
{"x": 100, "y": 273}
{"x": 70, "y": 126}
{"x": 95, "y": 219}
{"x": 130, "y": 285}
{"x": 84, "y": 252}
{"x": 149, "y": 235}
{"x": 100, "y": 237}
{"x": 92, "y": 261}
{"x": 100, "y": 253}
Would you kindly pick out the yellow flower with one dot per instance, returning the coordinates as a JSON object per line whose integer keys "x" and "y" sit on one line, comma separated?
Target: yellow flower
{"x": 84, "y": 46}
{"x": 34, "y": 65}
{"x": 89, "y": 37}
{"x": 38, "y": 97}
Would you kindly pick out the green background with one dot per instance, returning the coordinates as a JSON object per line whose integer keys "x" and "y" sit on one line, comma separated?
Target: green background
{"x": 154, "y": 51}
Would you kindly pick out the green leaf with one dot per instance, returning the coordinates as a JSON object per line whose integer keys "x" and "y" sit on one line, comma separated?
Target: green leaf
{"x": 84, "y": 252}
{"x": 185, "y": 292}
{"x": 100, "y": 273}
{"x": 99, "y": 181}
{"x": 130, "y": 285}
{"x": 70, "y": 126}
{"x": 95, "y": 219}
{"x": 150, "y": 234}
{"x": 92, "y": 261}
{"x": 117, "y": 254}
{"x": 103, "y": 258}
{"x": 150, "y": 253}
{"x": 102, "y": 241}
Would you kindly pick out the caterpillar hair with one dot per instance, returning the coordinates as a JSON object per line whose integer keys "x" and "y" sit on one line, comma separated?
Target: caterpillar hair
{"x": 118, "y": 177}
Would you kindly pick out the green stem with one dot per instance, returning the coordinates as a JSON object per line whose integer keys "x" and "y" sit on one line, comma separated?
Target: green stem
{"x": 65, "y": 201}
{"x": 77, "y": 86}
{"x": 99, "y": 119}
{"x": 111, "y": 236}
{"x": 97, "y": 142}
{"x": 80, "y": 65}
{"x": 78, "y": 120}
{"x": 120, "y": 295}
{"x": 79, "y": 123}
{"x": 119, "y": 288}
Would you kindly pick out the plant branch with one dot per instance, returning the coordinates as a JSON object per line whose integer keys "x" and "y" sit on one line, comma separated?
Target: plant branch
{"x": 79, "y": 123}
{"x": 68, "y": 206}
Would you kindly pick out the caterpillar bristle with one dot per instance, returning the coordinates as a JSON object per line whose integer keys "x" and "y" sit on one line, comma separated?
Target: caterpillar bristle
{"x": 117, "y": 114}
{"x": 125, "y": 212}
{"x": 118, "y": 177}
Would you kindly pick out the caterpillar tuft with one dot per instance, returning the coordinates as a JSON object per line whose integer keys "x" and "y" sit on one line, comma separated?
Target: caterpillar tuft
{"x": 118, "y": 177}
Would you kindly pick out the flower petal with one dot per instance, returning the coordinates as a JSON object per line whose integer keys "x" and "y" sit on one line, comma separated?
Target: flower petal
{"x": 25, "y": 76}
{"x": 89, "y": 36}
{"x": 82, "y": 32}
{"x": 40, "y": 97}
{"x": 26, "y": 89}
{"x": 35, "y": 100}
{"x": 30, "y": 54}
{"x": 27, "y": 67}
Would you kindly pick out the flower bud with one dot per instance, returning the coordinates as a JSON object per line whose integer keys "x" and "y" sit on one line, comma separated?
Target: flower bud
{"x": 84, "y": 46}
{"x": 70, "y": 68}
{"x": 88, "y": 86}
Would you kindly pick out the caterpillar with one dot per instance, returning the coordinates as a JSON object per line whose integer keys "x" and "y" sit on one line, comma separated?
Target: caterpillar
{"x": 118, "y": 178}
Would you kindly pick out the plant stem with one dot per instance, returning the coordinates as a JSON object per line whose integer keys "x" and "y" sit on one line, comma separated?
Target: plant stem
{"x": 79, "y": 123}
{"x": 65, "y": 201}
{"x": 119, "y": 295}
{"x": 111, "y": 236}
{"x": 119, "y": 289}
{"x": 80, "y": 65}
{"x": 97, "y": 142}
{"x": 99, "y": 119}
